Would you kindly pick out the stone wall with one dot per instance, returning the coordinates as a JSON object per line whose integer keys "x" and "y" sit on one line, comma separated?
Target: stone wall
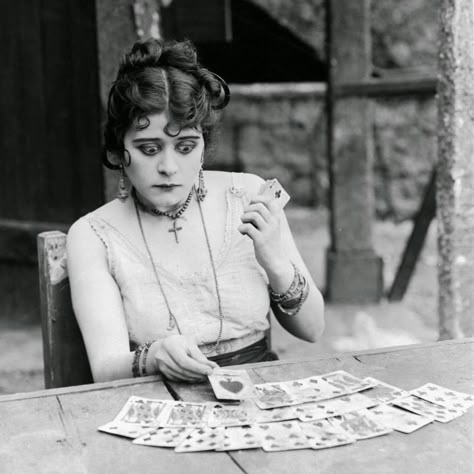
{"x": 279, "y": 131}
{"x": 404, "y": 32}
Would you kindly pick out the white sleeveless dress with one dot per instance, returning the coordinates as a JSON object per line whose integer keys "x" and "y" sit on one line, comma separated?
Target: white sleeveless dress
{"x": 243, "y": 287}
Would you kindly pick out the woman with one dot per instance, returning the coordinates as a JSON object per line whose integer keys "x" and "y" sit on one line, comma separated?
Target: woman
{"x": 178, "y": 273}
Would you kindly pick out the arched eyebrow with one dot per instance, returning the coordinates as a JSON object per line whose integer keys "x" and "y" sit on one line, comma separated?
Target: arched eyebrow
{"x": 189, "y": 137}
{"x": 159, "y": 140}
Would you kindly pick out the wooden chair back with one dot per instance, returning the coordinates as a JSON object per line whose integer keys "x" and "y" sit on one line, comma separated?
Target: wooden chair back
{"x": 64, "y": 354}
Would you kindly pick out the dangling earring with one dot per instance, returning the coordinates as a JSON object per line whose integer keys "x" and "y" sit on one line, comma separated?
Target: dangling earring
{"x": 122, "y": 192}
{"x": 201, "y": 191}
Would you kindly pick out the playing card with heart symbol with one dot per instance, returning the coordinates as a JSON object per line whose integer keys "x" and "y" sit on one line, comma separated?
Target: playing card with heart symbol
{"x": 444, "y": 396}
{"x": 346, "y": 382}
{"x": 185, "y": 414}
{"x": 282, "y": 436}
{"x": 398, "y": 419}
{"x": 311, "y": 389}
{"x": 231, "y": 384}
{"x": 273, "y": 189}
{"x": 322, "y": 434}
{"x": 275, "y": 414}
{"x": 202, "y": 439}
{"x": 241, "y": 437}
{"x": 164, "y": 437}
{"x": 273, "y": 395}
{"x": 383, "y": 392}
{"x": 360, "y": 424}
{"x": 233, "y": 415}
{"x": 423, "y": 407}
{"x": 138, "y": 416}
{"x": 335, "y": 406}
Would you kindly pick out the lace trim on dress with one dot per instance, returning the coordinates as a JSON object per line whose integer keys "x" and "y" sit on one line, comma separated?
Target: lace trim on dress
{"x": 96, "y": 226}
{"x": 103, "y": 228}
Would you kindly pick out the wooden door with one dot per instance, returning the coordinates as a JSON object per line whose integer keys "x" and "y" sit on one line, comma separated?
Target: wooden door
{"x": 50, "y": 171}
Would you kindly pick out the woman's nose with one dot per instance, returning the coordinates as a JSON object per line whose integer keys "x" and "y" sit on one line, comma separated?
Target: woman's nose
{"x": 167, "y": 163}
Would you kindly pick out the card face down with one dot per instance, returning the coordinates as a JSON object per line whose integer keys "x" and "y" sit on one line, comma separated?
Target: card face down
{"x": 273, "y": 189}
{"x": 231, "y": 384}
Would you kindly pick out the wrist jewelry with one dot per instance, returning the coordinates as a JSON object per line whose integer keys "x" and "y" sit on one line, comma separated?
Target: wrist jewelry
{"x": 290, "y": 302}
{"x": 136, "y": 360}
{"x": 143, "y": 371}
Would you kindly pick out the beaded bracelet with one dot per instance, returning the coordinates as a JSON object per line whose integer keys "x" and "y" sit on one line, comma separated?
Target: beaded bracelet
{"x": 142, "y": 364}
{"x": 292, "y": 310}
{"x": 292, "y": 290}
{"x": 290, "y": 302}
{"x": 136, "y": 360}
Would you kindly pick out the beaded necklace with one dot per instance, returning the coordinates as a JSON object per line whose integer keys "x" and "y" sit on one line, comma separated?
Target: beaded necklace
{"x": 178, "y": 212}
{"x": 172, "y": 321}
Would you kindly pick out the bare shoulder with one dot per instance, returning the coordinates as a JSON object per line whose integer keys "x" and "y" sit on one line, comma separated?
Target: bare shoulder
{"x": 81, "y": 237}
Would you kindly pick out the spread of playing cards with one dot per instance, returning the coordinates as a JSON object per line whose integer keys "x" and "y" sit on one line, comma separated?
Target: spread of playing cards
{"x": 322, "y": 411}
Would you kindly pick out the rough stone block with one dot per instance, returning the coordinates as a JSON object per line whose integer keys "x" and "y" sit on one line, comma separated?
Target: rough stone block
{"x": 354, "y": 277}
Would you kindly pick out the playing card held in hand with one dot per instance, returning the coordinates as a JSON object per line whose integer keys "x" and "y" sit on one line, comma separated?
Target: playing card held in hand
{"x": 231, "y": 384}
{"x": 273, "y": 189}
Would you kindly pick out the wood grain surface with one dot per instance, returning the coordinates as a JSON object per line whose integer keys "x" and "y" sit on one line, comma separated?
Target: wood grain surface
{"x": 56, "y": 430}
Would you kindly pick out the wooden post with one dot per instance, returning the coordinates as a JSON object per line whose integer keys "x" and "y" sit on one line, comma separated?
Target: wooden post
{"x": 354, "y": 271}
{"x": 115, "y": 34}
{"x": 455, "y": 186}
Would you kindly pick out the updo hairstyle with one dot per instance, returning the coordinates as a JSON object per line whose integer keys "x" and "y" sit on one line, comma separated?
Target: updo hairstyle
{"x": 155, "y": 77}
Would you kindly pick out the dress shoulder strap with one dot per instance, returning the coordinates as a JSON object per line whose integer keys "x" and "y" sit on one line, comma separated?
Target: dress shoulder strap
{"x": 102, "y": 230}
{"x": 238, "y": 189}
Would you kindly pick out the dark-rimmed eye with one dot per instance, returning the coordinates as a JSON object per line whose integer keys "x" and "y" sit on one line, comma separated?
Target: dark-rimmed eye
{"x": 150, "y": 149}
{"x": 186, "y": 147}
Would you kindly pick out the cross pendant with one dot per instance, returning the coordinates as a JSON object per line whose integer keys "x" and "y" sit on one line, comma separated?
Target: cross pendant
{"x": 175, "y": 230}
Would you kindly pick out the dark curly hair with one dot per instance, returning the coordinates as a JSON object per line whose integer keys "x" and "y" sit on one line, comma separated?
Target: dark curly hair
{"x": 157, "y": 76}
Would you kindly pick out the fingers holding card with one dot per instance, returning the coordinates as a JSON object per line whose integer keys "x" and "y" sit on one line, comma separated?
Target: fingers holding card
{"x": 275, "y": 192}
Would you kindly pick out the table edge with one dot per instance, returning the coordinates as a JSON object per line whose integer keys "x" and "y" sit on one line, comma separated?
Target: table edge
{"x": 158, "y": 378}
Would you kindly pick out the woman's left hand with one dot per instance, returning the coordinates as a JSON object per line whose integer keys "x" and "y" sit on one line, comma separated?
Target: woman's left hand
{"x": 261, "y": 222}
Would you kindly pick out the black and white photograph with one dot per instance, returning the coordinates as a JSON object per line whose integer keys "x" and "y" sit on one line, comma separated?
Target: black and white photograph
{"x": 237, "y": 236}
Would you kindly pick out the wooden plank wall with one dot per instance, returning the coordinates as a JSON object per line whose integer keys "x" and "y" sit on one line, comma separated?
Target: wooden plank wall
{"x": 50, "y": 170}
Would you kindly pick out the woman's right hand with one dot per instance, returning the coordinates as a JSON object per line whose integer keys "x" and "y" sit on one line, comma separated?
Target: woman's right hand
{"x": 179, "y": 359}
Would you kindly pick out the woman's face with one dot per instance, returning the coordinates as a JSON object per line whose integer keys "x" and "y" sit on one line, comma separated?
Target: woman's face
{"x": 163, "y": 169}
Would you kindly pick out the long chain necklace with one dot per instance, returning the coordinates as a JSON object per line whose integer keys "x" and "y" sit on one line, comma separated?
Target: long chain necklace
{"x": 170, "y": 214}
{"x": 172, "y": 321}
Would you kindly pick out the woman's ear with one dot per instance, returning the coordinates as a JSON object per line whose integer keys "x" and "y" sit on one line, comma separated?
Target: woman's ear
{"x": 111, "y": 159}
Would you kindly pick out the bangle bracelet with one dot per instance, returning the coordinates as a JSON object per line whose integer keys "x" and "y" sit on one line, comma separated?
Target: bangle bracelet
{"x": 136, "y": 360}
{"x": 143, "y": 371}
{"x": 290, "y": 293}
{"x": 294, "y": 309}
{"x": 290, "y": 302}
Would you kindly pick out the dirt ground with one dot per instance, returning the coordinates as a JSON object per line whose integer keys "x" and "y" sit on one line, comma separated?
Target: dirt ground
{"x": 348, "y": 327}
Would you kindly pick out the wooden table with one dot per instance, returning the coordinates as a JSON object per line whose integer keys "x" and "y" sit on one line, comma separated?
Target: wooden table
{"x": 55, "y": 431}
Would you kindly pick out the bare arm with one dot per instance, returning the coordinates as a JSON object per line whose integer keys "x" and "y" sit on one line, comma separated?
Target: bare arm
{"x": 97, "y": 303}
{"x": 276, "y": 250}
